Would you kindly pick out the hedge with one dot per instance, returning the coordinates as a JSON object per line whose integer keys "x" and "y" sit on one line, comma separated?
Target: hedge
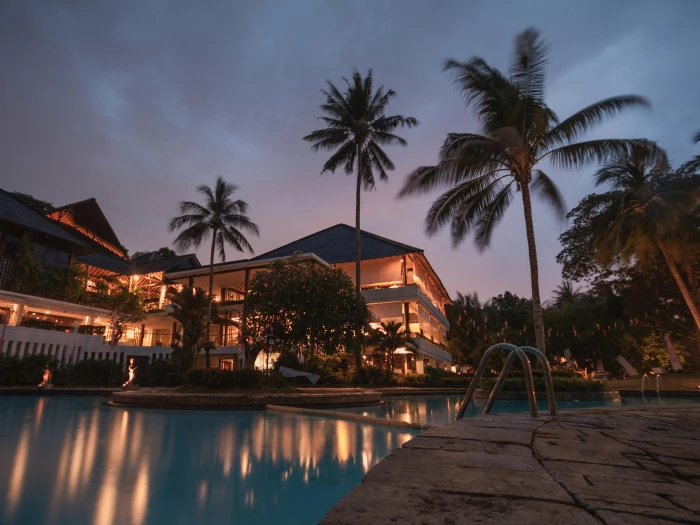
{"x": 232, "y": 379}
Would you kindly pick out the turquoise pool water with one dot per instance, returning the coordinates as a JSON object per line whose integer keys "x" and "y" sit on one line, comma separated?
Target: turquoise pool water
{"x": 441, "y": 409}
{"x": 74, "y": 460}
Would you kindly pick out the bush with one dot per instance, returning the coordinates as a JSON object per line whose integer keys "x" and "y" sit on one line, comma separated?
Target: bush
{"x": 38, "y": 323}
{"x": 96, "y": 372}
{"x": 174, "y": 379}
{"x": 561, "y": 384}
{"x": 456, "y": 381}
{"x": 158, "y": 372}
{"x": 230, "y": 379}
{"x": 28, "y": 371}
{"x": 90, "y": 329}
{"x": 196, "y": 377}
{"x": 414, "y": 379}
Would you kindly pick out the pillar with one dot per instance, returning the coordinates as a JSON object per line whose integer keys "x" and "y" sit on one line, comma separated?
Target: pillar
{"x": 18, "y": 315}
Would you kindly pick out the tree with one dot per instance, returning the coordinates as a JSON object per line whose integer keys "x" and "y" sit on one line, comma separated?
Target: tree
{"x": 220, "y": 217}
{"x": 566, "y": 293}
{"x": 356, "y": 128}
{"x": 164, "y": 252}
{"x": 127, "y": 306}
{"x": 520, "y": 132}
{"x": 189, "y": 308}
{"x": 389, "y": 337}
{"x": 693, "y": 165}
{"x": 32, "y": 202}
{"x": 653, "y": 210}
{"x": 309, "y": 306}
{"x": 466, "y": 317}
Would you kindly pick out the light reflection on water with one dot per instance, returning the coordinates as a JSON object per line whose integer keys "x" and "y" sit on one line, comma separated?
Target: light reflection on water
{"x": 67, "y": 460}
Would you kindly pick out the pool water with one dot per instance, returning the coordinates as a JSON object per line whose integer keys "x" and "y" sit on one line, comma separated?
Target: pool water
{"x": 74, "y": 460}
{"x": 442, "y": 409}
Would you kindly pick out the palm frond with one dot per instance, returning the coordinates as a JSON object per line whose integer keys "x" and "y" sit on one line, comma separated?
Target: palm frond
{"x": 529, "y": 61}
{"x": 696, "y": 137}
{"x": 490, "y": 218}
{"x": 344, "y": 156}
{"x": 582, "y": 153}
{"x": 186, "y": 220}
{"x": 192, "y": 236}
{"x": 544, "y": 188}
{"x": 587, "y": 118}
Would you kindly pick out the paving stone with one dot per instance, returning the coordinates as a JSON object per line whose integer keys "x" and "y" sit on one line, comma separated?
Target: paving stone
{"x": 563, "y": 470}
{"x": 581, "y": 452}
{"x": 412, "y": 469}
{"x": 623, "y": 518}
{"x": 466, "y": 445}
{"x": 371, "y": 504}
{"x": 463, "y": 430}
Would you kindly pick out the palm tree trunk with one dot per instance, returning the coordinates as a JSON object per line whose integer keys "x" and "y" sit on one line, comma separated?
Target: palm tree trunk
{"x": 358, "y": 248}
{"x": 681, "y": 284}
{"x": 211, "y": 290}
{"x": 537, "y": 318}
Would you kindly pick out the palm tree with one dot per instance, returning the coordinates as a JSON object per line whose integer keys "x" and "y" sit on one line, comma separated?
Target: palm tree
{"x": 520, "y": 132}
{"x": 221, "y": 217}
{"x": 693, "y": 164}
{"x": 652, "y": 214}
{"x": 356, "y": 128}
{"x": 566, "y": 293}
{"x": 189, "y": 308}
{"x": 388, "y": 338}
{"x": 466, "y": 316}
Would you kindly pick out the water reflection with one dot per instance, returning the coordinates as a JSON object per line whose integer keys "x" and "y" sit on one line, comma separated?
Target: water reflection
{"x": 151, "y": 467}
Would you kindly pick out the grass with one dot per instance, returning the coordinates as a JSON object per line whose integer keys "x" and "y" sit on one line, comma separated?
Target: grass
{"x": 682, "y": 382}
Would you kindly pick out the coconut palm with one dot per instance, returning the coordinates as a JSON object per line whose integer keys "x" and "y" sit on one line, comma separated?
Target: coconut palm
{"x": 388, "y": 338}
{"x": 220, "y": 217}
{"x": 653, "y": 211}
{"x": 693, "y": 164}
{"x": 356, "y": 129}
{"x": 520, "y": 132}
{"x": 566, "y": 293}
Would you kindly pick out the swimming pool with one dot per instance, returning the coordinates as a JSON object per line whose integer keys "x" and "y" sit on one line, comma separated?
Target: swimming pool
{"x": 441, "y": 409}
{"x": 74, "y": 460}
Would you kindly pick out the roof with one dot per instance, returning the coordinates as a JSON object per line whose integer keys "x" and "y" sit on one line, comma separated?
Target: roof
{"x": 120, "y": 266}
{"x": 12, "y": 210}
{"x": 86, "y": 218}
{"x": 337, "y": 245}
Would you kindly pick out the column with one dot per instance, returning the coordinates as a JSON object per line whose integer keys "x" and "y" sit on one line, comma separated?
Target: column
{"x": 17, "y": 319}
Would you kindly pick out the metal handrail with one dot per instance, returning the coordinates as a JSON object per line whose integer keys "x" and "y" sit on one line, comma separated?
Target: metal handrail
{"x": 529, "y": 385}
{"x": 547, "y": 379}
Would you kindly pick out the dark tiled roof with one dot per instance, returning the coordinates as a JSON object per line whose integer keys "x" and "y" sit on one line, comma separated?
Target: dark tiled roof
{"x": 12, "y": 210}
{"x": 337, "y": 245}
{"x": 119, "y": 266}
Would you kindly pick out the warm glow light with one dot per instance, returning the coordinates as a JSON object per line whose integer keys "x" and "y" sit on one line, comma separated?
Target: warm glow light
{"x": 140, "y": 500}
{"x": 132, "y": 373}
{"x": 19, "y": 467}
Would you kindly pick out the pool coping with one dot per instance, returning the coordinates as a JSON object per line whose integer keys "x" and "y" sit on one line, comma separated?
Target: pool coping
{"x": 583, "y": 467}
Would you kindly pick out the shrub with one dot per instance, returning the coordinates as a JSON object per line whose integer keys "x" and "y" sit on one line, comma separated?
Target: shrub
{"x": 561, "y": 384}
{"x": 38, "y": 323}
{"x": 96, "y": 372}
{"x": 27, "y": 371}
{"x": 158, "y": 372}
{"x": 414, "y": 379}
{"x": 90, "y": 329}
{"x": 174, "y": 379}
{"x": 456, "y": 381}
{"x": 196, "y": 377}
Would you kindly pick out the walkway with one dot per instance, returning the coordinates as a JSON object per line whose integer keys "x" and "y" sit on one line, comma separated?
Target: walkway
{"x": 638, "y": 466}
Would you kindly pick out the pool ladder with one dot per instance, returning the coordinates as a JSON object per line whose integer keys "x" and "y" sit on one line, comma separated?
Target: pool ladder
{"x": 513, "y": 352}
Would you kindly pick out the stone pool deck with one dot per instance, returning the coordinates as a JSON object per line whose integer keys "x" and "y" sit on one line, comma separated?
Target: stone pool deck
{"x": 623, "y": 466}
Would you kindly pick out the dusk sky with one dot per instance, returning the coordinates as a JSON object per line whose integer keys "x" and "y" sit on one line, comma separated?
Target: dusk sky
{"x": 136, "y": 103}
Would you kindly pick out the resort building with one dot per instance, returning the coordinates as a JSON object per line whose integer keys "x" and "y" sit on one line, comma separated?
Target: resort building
{"x": 76, "y": 241}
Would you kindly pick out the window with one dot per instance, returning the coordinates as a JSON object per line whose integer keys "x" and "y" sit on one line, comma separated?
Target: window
{"x": 226, "y": 364}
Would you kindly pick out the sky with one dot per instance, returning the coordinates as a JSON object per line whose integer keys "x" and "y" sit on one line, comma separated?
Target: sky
{"x": 138, "y": 102}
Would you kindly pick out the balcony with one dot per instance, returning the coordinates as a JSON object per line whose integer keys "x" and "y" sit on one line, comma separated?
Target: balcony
{"x": 402, "y": 294}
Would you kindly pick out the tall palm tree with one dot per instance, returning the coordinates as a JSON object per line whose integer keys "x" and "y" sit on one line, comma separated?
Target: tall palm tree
{"x": 220, "y": 217}
{"x": 566, "y": 293}
{"x": 693, "y": 164}
{"x": 356, "y": 128}
{"x": 520, "y": 132}
{"x": 652, "y": 213}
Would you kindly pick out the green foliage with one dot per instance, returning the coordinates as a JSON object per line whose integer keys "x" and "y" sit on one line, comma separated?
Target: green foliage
{"x": 24, "y": 372}
{"x": 387, "y": 338}
{"x": 174, "y": 379}
{"x": 307, "y": 305}
{"x": 189, "y": 309}
{"x": 414, "y": 379}
{"x": 91, "y": 330}
{"x": 95, "y": 372}
{"x": 232, "y": 379}
{"x": 37, "y": 205}
{"x": 561, "y": 384}
{"x": 38, "y": 323}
